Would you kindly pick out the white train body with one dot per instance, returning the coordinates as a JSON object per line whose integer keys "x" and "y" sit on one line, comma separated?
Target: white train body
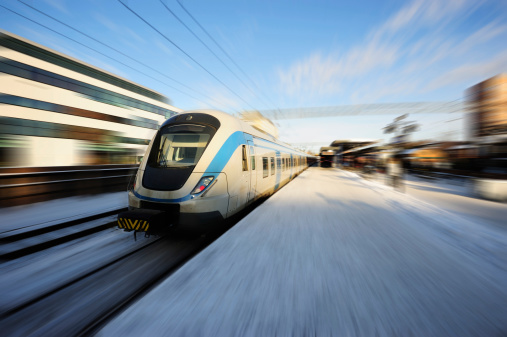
{"x": 207, "y": 165}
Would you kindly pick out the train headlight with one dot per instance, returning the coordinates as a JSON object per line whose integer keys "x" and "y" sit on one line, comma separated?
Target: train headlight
{"x": 203, "y": 184}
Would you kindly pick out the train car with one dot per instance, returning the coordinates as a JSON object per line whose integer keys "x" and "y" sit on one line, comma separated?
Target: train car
{"x": 327, "y": 158}
{"x": 204, "y": 166}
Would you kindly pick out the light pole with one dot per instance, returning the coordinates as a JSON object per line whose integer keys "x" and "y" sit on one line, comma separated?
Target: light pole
{"x": 401, "y": 129}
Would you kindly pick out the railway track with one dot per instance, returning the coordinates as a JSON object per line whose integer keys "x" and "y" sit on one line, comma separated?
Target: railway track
{"x": 75, "y": 276}
{"x": 29, "y": 240}
{"x": 70, "y": 278}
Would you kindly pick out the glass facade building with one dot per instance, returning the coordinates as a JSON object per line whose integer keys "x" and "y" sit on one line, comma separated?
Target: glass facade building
{"x": 59, "y": 111}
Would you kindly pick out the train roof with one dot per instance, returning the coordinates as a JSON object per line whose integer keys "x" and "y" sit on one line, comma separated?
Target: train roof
{"x": 243, "y": 125}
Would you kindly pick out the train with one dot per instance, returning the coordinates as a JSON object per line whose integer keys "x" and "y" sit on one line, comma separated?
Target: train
{"x": 327, "y": 158}
{"x": 204, "y": 166}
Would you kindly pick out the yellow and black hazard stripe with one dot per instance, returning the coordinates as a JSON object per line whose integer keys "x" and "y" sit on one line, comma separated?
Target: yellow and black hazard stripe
{"x": 137, "y": 225}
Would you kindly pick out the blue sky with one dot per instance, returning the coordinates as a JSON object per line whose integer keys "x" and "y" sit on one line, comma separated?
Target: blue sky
{"x": 298, "y": 53}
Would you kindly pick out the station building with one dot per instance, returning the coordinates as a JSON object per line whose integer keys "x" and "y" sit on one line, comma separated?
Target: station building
{"x": 487, "y": 104}
{"x": 58, "y": 111}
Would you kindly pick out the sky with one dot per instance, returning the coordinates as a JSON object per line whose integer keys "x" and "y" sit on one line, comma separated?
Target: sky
{"x": 280, "y": 54}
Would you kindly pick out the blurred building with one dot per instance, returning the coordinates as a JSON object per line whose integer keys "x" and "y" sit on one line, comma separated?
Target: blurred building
{"x": 488, "y": 106}
{"x": 487, "y": 102}
{"x": 58, "y": 111}
{"x": 345, "y": 152}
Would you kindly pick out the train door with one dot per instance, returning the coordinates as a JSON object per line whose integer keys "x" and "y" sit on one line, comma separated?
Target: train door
{"x": 245, "y": 176}
{"x": 253, "y": 171}
{"x": 240, "y": 184}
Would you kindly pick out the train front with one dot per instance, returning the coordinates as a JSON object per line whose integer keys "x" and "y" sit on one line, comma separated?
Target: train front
{"x": 176, "y": 183}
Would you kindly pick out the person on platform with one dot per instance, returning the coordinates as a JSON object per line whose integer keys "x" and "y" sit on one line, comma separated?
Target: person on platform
{"x": 395, "y": 173}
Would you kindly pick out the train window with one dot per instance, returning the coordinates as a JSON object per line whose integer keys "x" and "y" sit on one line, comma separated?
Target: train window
{"x": 245, "y": 159}
{"x": 265, "y": 167}
{"x": 180, "y": 145}
{"x": 272, "y": 165}
{"x": 278, "y": 163}
{"x": 88, "y": 90}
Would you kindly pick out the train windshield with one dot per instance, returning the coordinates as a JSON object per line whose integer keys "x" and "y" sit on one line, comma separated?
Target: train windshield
{"x": 180, "y": 145}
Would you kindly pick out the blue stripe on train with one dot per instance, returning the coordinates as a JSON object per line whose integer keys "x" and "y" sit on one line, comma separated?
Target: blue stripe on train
{"x": 225, "y": 153}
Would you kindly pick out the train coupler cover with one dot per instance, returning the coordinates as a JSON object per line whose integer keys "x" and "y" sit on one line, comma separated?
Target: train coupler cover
{"x": 141, "y": 220}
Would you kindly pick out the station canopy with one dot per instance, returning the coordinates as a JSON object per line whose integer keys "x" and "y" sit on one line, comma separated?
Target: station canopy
{"x": 349, "y": 145}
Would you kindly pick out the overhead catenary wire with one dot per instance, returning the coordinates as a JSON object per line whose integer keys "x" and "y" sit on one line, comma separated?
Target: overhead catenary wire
{"x": 458, "y": 104}
{"x": 185, "y": 53}
{"x": 93, "y": 49}
{"x": 210, "y": 50}
{"x": 120, "y": 52}
{"x": 225, "y": 52}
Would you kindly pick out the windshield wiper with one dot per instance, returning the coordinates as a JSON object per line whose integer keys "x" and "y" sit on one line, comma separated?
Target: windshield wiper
{"x": 162, "y": 159}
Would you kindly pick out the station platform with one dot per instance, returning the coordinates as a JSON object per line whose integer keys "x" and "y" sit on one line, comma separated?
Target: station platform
{"x": 332, "y": 254}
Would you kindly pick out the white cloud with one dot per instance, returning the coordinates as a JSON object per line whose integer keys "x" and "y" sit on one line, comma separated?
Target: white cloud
{"x": 423, "y": 12}
{"x": 402, "y": 57}
{"x": 163, "y": 47}
{"x": 321, "y": 76}
{"x": 472, "y": 72}
{"x": 126, "y": 32}
{"x": 314, "y": 75}
{"x": 59, "y": 5}
{"x": 220, "y": 99}
{"x": 482, "y": 36}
